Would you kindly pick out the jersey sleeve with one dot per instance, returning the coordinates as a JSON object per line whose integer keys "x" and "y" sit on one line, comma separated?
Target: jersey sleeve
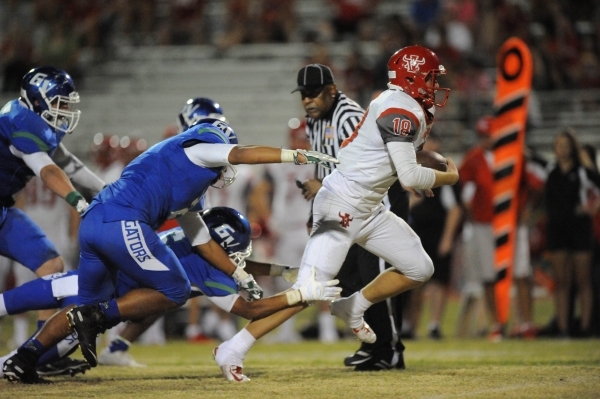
{"x": 206, "y": 133}
{"x": 31, "y": 135}
{"x": 399, "y": 125}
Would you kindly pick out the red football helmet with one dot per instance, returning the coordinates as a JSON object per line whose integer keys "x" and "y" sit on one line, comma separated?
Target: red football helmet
{"x": 414, "y": 69}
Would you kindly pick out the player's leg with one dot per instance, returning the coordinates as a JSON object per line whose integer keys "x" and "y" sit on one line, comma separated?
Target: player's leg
{"x": 23, "y": 241}
{"x": 41, "y": 293}
{"x": 325, "y": 252}
{"x": 359, "y": 269}
{"x": 135, "y": 251}
{"x": 389, "y": 237}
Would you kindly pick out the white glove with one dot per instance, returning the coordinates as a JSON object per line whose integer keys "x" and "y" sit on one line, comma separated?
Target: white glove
{"x": 246, "y": 282}
{"x": 315, "y": 157}
{"x": 81, "y": 206}
{"x": 289, "y": 273}
{"x": 313, "y": 290}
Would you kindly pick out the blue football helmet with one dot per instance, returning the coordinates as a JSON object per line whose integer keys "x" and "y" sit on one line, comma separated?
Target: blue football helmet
{"x": 231, "y": 230}
{"x": 50, "y": 93}
{"x": 196, "y": 109}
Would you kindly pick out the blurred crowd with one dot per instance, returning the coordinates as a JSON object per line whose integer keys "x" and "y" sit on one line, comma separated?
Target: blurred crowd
{"x": 564, "y": 36}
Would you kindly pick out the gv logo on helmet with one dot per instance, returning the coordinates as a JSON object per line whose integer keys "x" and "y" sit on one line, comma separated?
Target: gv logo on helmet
{"x": 412, "y": 63}
{"x": 224, "y": 231}
{"x": 39, "y": 79}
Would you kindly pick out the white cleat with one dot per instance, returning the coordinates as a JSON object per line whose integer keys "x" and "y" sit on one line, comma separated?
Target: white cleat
{"x": 117, "y": 358}
{"x": 341, "y": 309}
{"x": 231, "y": 372}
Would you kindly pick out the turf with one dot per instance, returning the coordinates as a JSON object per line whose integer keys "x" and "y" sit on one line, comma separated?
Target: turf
{"x": 450, "y": 368}
{"x": 446, "y": 369}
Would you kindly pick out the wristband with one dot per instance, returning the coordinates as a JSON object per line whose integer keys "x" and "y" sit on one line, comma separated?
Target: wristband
{"x": 73, "y": 198}
{"x": 293, "y": 297}
{"x": 288, "y": 156}
{"x": 239, "y": 274}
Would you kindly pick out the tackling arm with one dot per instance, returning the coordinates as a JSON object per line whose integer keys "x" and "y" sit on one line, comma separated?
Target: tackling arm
{"x": 76, "y": 170}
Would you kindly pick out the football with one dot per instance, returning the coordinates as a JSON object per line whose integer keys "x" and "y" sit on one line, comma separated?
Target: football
{"x": 431, "y": 160}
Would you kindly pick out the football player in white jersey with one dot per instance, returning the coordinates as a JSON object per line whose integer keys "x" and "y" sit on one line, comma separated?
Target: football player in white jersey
{"x": 348, "y": 208}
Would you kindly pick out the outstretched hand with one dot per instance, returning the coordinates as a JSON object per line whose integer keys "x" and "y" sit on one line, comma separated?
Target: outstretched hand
{"x": 313, "y": 290}
{"x": 304, "y": 157}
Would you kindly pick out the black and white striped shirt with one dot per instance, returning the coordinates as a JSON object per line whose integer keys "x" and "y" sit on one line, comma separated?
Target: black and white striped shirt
{"x": 327, "y": 134}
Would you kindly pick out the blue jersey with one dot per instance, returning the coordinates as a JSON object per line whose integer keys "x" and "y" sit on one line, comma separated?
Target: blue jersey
{"x": 162, "y": 183}
{"x": 28, "y": 133}
{"x": 204, "y": 278}
{"x": 49, "y": 293}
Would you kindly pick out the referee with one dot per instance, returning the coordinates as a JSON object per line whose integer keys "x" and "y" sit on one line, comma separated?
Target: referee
{"x": 331, "y": 117}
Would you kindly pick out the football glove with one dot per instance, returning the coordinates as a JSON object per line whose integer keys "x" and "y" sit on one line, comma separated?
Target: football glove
{"x": 313, "y": 290}
{"x": 314, "y": 157}
{"x": 245, "y": 282}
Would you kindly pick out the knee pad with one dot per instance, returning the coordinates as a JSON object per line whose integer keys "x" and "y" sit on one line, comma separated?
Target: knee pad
{"x": 419, "y": 269}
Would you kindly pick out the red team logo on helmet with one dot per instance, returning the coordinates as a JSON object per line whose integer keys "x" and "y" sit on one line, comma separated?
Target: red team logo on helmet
{"x": 412, "y": 63}
{"x": 345, "y": 219}
{"x": 415, "y": 69}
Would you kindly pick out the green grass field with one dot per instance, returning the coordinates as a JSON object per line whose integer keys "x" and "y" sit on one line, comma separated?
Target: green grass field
{"x": 451, "y": 368}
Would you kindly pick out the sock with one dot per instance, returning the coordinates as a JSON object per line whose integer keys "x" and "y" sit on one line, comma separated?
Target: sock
{"x": 359, "y": 304}
{"x": 119, "y": 344}
{"x": 33, "y": 346}
{"x": 111, "y": 311}
{"x": 62, "y": 349}
{"x": 433, "y": 325}
{"x": 241, "y": 343}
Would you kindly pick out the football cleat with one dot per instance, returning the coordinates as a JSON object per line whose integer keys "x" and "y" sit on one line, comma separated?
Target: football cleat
{"x": 381, "y": 361}
{"x": 364, "y": 333}
{"x": 64, "y": 366}
{"x": 18, "y": 369}
{"x": 231, "y": 372}
{"x": 117, "y": 358}
{"x": 359, "y": 357}
{"x": 88, "y": 321}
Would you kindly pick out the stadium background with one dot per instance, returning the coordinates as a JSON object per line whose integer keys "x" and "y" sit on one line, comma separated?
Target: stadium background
{"x": 133, "y": 79}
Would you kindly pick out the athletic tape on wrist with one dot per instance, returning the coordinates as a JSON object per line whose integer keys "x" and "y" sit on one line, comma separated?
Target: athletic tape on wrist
{"x": 288, "y": 156}
{"x": 293, "y": 297}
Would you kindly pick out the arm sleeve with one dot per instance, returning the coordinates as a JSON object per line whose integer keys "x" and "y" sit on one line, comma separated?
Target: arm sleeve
{"x": 410, "y": 173}
{"x": 76, "y": 170}
{"x": 194, "y": 228}
{"x": 209, "y": 155}
{"x": 36, "y": 161}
